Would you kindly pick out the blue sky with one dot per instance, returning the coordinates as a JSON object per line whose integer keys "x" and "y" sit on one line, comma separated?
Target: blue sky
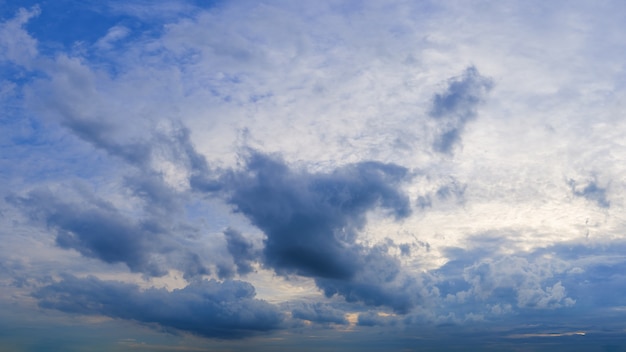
{"x": 317, "y": 175}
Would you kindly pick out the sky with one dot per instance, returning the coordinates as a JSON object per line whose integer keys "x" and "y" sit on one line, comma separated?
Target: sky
{"x": 328, "y": 175}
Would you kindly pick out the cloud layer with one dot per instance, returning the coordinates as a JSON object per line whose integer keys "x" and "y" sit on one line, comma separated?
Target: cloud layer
{"x": 272, "y": 171}
{"x": 208, "y": 308}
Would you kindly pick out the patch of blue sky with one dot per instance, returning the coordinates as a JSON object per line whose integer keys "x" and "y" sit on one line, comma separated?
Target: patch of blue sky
{"x": 25, "y": 148}
{"x": 62, "y": 25}
{"x": 18, "y": 75}
{"x": 98, "y": 32}
{"x": 21, "y": 130}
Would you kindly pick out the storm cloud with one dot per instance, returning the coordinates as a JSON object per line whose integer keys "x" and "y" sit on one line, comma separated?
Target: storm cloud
{"x": 223, "y": 310}
{"x": 97, "y": 229}
{"x": 242, "y": 251}
{"x": 311, "y": 221}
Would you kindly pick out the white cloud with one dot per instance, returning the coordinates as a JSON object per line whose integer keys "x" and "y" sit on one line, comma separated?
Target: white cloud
{"x": 114, "y": 34}
{"x": 16, "y": 45}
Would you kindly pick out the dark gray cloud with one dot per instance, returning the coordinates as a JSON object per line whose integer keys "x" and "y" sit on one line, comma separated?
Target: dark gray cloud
{"x": 97, "y": 229}
{"x": 319, "y": 313}
{"x": 374, "y": 319}
{"x": 145, "y": 240}
{"x": 377, "y": 282}
{"x": 242, "y": 250}
{"x": 455, "y": 107}
{"x": 157, "y": 197}
{"x": 311, "y": 222}
{"x": 99, "y": 133}
{"x": 591, "y": 191}
{"x": 311, "y": 219}
{"x": 208, "y": 308}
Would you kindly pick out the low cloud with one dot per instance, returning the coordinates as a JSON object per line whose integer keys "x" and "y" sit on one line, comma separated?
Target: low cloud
{"x": 224, "y": 310}
{"x": 374, "y": 319}
{"x": 319, "y": 313}
{"x": 485, "y": 277}
{"x": 97, "y": 229}
{"x": 311, "y": 221}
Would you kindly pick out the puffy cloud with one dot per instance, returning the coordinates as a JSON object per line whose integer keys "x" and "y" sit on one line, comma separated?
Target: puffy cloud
{"x": 550, "y": 297}
{"x": 594, "y": 276}
{"x": 223, "y": 310}
{"x": 483, "y": 281}
{"x": 519, "y": 278}
{"x": 311, "y": 221}
{"x": 97, "y": 229}
{"x": 379, "y": 281}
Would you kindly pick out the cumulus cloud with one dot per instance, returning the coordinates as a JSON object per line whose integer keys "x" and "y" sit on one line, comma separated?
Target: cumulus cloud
{"x": 522, "y": 279}
{"x": 486, "y": 278}
{"x": 223, "y": 310}
{"x": 311, "y": 221}
{"x": 97, "y": 229}
{"x": 379, "y": 281}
